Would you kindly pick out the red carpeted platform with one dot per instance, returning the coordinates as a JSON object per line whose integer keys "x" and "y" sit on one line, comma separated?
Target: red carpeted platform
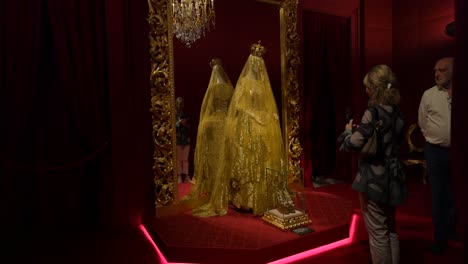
{"x": 240, "y": 236}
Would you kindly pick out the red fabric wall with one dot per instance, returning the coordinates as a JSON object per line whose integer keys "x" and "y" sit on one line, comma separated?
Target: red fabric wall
{"x": 376, "y": 40}
{"x": 377, "y": 17}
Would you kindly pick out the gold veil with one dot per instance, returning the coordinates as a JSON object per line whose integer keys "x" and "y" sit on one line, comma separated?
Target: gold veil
{"x": 253, "y": 145}
{"x": 210, "y": 136}
{"x": 253, "y": 135}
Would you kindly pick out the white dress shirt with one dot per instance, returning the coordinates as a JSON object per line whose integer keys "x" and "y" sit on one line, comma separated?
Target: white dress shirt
{"x": 434, "y": 116}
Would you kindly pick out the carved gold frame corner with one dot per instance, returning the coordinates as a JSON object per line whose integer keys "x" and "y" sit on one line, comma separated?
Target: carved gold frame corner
{"x": 291, "y": 104}
{"x": 162, "y": 101}
{"x": 162, "y": 96}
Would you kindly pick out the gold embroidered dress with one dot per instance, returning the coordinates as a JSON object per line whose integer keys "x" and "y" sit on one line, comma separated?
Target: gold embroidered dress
{"x": 210, "y": 137}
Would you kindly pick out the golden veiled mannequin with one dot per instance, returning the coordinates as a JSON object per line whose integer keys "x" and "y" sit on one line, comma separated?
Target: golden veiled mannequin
{"x": 253, "y": 144}
{"x": 210, "y": 136}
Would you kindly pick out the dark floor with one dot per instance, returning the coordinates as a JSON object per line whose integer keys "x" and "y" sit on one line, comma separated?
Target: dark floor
{"x": 131, "y": 246}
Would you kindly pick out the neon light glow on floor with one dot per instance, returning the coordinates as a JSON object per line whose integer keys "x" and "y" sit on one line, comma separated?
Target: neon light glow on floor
{"x": 289, "y": 259}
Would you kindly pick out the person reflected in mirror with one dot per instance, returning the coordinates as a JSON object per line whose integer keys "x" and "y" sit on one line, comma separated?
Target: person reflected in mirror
{"x": 210, "y": 137}
{"x": 380, "y": 180}
{"x": 434, "y": 121}
{"x": 183, "y": 141}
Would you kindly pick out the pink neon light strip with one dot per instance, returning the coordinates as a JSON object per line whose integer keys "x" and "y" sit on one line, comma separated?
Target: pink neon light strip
{"x": 290, "y": 259}
{"x": 161, "y": 259}
{"x": 322, "y": 249}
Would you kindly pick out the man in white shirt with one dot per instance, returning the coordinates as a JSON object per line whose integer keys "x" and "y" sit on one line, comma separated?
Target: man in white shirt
{"x": 434, "y": 119}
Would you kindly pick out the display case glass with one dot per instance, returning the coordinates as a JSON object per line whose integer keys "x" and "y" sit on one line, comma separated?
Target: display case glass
{"x": 286, "y": 205}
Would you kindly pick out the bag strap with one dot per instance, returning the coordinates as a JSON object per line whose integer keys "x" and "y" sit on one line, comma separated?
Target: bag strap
{"x": 375, "y": 118}
{"x": 393, "y": 119}
{"x": 375, "y": 114}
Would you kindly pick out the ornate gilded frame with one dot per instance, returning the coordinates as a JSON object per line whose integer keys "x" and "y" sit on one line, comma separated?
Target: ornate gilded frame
{"x": 162, "y": 95}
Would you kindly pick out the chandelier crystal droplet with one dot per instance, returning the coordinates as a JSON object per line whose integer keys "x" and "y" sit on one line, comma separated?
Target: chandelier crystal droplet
{"x": 192, "y": 18}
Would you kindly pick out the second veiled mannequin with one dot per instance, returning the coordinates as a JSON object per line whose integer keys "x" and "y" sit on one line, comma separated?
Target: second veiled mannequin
{"x": 210, "y": 136}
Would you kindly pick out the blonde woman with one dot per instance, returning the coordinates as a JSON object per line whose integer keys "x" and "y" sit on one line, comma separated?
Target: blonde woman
{"x": 380, "y": 180}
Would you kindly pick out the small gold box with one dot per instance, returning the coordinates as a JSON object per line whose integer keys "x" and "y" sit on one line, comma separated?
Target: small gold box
{"x": 286, "y": 221}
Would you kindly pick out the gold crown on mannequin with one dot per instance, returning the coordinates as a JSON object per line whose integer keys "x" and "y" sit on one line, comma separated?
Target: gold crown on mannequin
{"x": 215, "y": 61}
{"x": 257, "y": 49}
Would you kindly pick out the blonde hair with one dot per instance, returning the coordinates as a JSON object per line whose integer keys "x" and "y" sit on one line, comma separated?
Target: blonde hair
{"x": 383, "y": 83}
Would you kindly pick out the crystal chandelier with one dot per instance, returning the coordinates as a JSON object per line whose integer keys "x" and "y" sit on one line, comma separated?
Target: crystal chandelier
{"x": 191, "y": 18}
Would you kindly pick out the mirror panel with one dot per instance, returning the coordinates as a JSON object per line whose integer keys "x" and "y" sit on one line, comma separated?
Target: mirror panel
{"x": 163, "y": 89}
{"x": 230, "y": 41}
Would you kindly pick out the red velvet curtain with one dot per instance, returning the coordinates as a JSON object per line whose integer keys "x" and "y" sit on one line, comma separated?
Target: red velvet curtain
{"x": 327, "y": 90}
{"x": 76, "y": 150}
{"x": 19, "y": 61}
{"x": 128, "y": 189}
